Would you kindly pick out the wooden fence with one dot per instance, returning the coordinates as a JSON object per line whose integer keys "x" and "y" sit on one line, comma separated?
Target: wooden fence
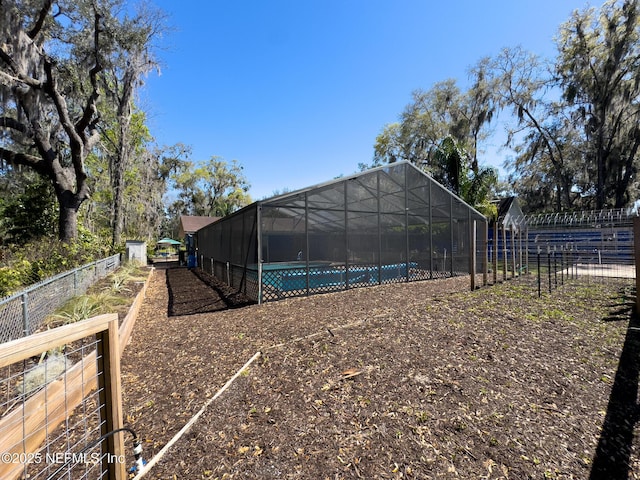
{"x": 23, "y": 430}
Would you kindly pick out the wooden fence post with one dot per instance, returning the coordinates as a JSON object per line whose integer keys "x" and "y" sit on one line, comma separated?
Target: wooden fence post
{"x": 25, "y": 428}
{"x": 505, "y": 266}
{"x": 110, "y": 394}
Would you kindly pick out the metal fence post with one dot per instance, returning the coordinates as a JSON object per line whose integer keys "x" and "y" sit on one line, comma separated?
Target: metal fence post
{"x": 495, "y": 252}
{"x": 549, "y": 266}
{"x": 485, "y": 253}
{"x": 505, "y": 263}
{"x": 25, "y": 314}
{"x": 570, "y": 263}
{"x": 539, "y": 276}
{"x": 555, "y": 267}
{"x": 472, "y": 260}
{"x": 513, "y": 251}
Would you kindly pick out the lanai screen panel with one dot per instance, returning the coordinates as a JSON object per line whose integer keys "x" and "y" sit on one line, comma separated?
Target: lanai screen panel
{"x": 461, "y": 237}
{"x": 362, "y": 230}
{"x": 393, "y": 224}
{"x": 228, "y": 249}
{"x": 441, "y": 230}
{"x": 326, "y": 227}
{"x": 419, "y": 226}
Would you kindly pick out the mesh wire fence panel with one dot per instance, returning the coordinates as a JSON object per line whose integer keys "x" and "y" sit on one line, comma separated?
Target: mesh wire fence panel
{"x": 43, "y": 300}
{"x": 23, "y": 313}
{"x": 12, "y": 318}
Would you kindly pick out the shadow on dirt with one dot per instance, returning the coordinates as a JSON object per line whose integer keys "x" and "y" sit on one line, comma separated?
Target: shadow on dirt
{"x": 611, "y": 460}
{"x": 192, "y": 292}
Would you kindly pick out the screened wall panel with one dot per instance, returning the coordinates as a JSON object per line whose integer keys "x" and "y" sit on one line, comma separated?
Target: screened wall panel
{"x": 228, "y": 250}
{"x": 461, "y": 253}
{"x": 326, "y": 241}
{"x": 387, "y": 225}
{"x": 283, "y": 234}
{"x": 441, "y": 231}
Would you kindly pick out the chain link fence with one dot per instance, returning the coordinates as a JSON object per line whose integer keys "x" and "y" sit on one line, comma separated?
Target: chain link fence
{"x": 23, "y": 313}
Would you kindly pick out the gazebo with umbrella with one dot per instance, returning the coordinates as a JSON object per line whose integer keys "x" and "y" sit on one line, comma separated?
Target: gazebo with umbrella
{"x": 168, "y": 243}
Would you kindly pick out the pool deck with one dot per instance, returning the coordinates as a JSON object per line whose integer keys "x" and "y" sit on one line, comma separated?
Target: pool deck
{"x": 605, "y": 270}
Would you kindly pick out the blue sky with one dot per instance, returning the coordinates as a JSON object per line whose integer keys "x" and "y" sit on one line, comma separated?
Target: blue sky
{"x": 297, "y": 90}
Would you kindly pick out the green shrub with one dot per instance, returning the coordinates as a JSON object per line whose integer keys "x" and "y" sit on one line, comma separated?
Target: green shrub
{"x": 78, "y": 309}
{"x": 27, "y": 264}
{"x": 11, "y": 279}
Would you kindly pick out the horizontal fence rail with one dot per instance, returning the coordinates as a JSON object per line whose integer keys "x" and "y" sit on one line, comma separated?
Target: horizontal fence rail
{"x": 24, "y": 312}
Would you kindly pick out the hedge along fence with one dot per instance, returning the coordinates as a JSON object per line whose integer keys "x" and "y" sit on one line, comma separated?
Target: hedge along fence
{"x": 31, "y": 430}
{"x": 23, "y": 313}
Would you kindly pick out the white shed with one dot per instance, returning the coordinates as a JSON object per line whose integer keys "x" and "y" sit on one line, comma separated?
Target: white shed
{"x": 136, "y": 251}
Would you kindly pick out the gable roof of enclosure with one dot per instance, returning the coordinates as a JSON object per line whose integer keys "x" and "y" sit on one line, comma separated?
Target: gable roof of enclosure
{"x": 297, "y": 196}
{"x": 325, "y": 193}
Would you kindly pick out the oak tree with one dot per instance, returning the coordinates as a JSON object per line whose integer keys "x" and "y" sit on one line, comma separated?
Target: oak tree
{"x": 54, "y": 55}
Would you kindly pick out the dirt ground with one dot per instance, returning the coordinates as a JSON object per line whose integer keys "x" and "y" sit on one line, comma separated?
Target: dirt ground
{"x": 418, "y": 380}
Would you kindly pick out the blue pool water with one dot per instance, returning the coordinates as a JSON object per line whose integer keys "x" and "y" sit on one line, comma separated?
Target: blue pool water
{"x": 294, "y": 275}
{"x": 285, "y": 266}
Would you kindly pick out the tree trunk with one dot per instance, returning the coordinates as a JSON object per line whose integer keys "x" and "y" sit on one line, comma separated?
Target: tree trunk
{"x": 121, "y": 158}
{"x": 117, "y": 181}
{"x": 600, "y": 179}
{"x": 68, "y": 219}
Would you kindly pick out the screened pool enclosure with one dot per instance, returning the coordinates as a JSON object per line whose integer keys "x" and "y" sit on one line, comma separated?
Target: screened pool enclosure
{"x": 390, "y": 224}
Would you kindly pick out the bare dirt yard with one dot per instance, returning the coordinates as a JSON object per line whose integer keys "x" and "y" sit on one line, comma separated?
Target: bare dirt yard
{"x": 419, "y": 380}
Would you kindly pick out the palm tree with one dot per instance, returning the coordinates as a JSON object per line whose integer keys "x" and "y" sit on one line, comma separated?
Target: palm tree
{"x": 474, "y": 186}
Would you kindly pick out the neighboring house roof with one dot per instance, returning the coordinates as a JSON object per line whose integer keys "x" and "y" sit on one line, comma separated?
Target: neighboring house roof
{"x": 191, "y": 223}
{"x": 509, "y": 212}
{"x": 504, "y": 205}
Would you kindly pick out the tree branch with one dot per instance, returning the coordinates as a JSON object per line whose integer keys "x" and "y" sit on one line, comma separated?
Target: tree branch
{"x": 77, "y": 142}
{"x": 42, "y": 16}
{"x": 6, "y": 58}
{"x": 13, "y": 124}
{"x": 90, "y": 108}
{"x": 31, "y": 161}
{"x": 19, "y": 76}
{"x": 60, "y": 104}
